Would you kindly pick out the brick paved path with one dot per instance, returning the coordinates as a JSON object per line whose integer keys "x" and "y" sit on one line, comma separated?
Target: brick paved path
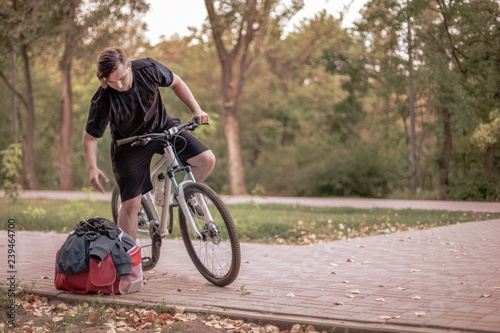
{"x": 446, "y": 278}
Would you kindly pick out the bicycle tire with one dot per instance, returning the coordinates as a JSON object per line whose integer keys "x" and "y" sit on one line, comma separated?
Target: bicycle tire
{"x": 218, "y": 256}
{"x": 148, "y": 237}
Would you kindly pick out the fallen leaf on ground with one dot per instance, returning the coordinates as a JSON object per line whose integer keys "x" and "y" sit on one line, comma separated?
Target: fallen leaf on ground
{"x": 165, "y": 316}
{"x": 485, "y": 295}
{"x": 27, "y": 328}
{"x": 62, "y": 306}
{"x": 416, "y": 297}
{"x": 290, "y": 295}
{"x": 151, "y": 317}
{"x": 92, "y": 317}
{"x": 420, "y": 314}
{"x": 355, "y": 291}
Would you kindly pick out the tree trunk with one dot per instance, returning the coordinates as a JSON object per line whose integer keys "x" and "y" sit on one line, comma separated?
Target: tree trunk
{"x": 445, "y": 158}
{"x": 65, "y": 174}
{"x": 411, "y": 102}
{"x": 239, "y": 59}
{"x": 29, "y": 158}
{"x": 489, "y": 163}
{"x": 236, "y": 169}
{"x": 15, "y": 100}
{"x": 230, "y": 96}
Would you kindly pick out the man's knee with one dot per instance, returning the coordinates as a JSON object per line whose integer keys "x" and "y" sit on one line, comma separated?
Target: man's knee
{"x": 205, "y": 160}
{"x": 132, "y": 205}
{"x": 209, "y": 159}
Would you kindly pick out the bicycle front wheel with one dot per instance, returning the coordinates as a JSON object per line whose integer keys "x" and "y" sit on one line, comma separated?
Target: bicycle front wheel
{"x": 148, "y": 237}
{"x": 216, "y": 254}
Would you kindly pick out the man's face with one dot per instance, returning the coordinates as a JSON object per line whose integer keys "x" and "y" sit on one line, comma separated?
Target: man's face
{"x": 121, "y": 79}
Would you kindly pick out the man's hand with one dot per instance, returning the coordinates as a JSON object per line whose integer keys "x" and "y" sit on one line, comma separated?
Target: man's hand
{"x": 95, "y": 176}
{"x": 201, "y": 117}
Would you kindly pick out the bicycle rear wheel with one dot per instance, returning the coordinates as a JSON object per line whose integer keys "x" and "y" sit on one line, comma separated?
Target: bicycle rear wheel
{"x": 148, "y": 237}
{"x": 217, "y": 254}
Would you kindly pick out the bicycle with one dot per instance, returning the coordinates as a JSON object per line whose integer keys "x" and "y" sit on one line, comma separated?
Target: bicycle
{"x": 206, "y": 226}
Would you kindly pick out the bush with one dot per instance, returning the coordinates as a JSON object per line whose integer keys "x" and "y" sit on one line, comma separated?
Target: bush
{"x": 475, "y": 188}
{"x": 11, "y": 170}
{"x": 358, "y": 170}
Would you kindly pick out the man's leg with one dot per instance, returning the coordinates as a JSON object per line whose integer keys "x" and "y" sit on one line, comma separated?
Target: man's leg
{"x": 127, "y": 217}
{"x": 202, "y": 165}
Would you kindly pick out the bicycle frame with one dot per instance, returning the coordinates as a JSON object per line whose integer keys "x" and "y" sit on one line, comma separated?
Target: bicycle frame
{"x": 173, "y": 166}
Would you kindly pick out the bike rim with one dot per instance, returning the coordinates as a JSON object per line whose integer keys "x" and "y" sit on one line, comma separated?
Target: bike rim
{"x": 215, "y": 250}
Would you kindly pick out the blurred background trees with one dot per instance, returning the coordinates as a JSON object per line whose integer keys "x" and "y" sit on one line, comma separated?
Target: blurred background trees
{"x": 324, "y": 110}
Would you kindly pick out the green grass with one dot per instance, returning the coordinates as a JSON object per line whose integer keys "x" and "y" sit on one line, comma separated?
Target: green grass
{"x": 270, "y": 223}
{"x": 51, "y": 215}
{"x": 304, "y": 224}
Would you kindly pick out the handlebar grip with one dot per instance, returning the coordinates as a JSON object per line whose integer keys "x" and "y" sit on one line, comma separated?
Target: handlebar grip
{"x": 122, "y": 142}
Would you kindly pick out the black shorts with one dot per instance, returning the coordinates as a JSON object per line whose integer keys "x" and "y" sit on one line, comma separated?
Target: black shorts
{"x": 131, "y": 165}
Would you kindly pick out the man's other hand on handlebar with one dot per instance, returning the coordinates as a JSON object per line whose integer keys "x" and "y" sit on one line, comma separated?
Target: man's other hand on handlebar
{"x": 201, "y": 117}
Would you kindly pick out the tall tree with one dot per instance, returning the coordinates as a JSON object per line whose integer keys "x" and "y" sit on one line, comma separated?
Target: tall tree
{"x": 241, "y": 31}
{"x": 88, "y": 24}
{"x": 22, "y": 23}
{"x": 385, "y": 29}
{"x": 464, "y": 38}
{"x": 65, "y": 174}
{"x": 411, "y": 102}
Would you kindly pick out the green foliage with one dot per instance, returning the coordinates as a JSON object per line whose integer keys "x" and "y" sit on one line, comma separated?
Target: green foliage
{"x": 487, "y": 134}
{"x": 476, "y": 188}
{"x": 75, "y": 211}
{"x": 35, "y": 213}
{"x": 11, "y": 170}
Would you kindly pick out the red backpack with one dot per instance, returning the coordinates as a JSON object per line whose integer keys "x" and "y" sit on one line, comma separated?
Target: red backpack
{"x": 102, "y": 277}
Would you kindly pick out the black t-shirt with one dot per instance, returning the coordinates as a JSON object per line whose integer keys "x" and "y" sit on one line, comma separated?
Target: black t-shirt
{"x": 136, "y": 111}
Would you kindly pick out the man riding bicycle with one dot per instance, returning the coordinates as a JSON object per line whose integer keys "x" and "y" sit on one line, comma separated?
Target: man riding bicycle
{"x": 129, "y": 100}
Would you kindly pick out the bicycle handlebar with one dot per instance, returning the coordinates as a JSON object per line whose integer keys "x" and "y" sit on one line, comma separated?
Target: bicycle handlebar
{"x": 145, "y": 138}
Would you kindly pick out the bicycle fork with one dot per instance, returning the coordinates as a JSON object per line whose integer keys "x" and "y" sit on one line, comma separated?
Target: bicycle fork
{"x": 187, "y": 213}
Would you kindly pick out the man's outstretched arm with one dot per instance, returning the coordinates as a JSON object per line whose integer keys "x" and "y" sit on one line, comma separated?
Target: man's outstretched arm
{"x": 89, "y": 144}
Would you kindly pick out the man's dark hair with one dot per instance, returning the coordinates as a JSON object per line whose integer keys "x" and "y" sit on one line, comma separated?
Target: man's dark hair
{"x": 108, "y": 62}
